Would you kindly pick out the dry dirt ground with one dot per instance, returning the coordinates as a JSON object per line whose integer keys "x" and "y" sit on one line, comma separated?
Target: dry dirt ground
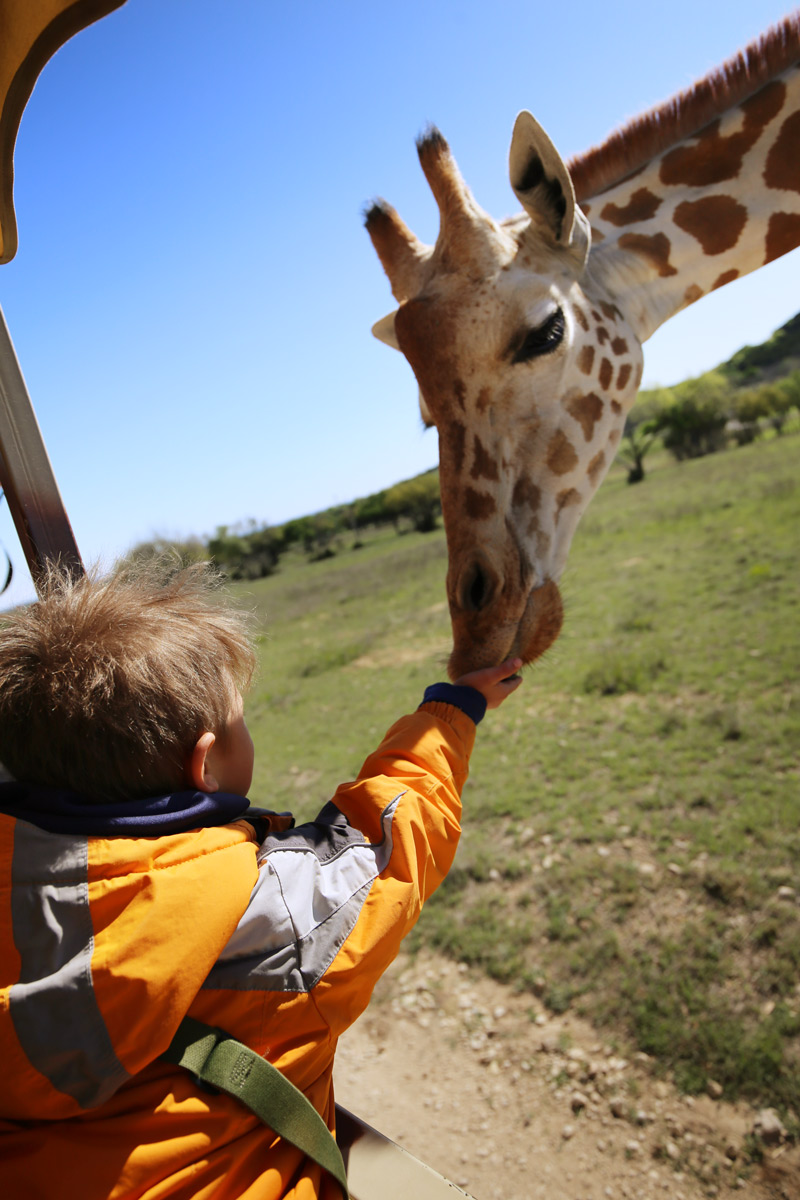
{"x": 512, "y": 1103}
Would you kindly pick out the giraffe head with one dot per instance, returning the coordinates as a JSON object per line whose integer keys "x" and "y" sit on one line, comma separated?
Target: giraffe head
{"x": 527, "y": 369}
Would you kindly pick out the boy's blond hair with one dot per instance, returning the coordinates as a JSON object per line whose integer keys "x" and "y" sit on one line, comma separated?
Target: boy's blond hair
{"x": 106, "y": 684}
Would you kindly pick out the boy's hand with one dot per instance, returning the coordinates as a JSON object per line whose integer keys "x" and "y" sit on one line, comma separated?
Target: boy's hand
{"x": 494, "y": 683}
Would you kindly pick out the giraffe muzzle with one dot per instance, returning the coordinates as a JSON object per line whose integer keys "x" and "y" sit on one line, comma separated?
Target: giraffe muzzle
{"x": 487, "y": 634}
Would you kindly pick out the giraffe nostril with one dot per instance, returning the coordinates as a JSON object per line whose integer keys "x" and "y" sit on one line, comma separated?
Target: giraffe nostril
{"x": 478, "y": 587}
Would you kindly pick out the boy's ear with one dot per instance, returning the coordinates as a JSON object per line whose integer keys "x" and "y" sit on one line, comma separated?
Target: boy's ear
{"x": 197, "y": 768}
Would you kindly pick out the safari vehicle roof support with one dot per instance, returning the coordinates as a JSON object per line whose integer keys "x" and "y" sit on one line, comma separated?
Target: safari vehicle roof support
{"x": 26, "y": 474}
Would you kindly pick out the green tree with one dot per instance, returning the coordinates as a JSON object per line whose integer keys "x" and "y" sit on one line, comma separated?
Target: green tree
{"x": 641, "y": 431}
{"x": 693, "y": 423}
{"x": 418, "y": 500}
{"x": 185, "y": 551}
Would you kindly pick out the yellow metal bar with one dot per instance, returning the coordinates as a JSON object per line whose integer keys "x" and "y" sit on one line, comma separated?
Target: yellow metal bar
{"x": 30, "y": 33}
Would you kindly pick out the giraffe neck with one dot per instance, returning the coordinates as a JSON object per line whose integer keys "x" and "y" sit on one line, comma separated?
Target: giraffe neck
{"x": 713, "y": 207}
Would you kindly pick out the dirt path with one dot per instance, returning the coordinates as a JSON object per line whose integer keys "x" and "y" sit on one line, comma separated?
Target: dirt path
{"x": 514, "y": 1104}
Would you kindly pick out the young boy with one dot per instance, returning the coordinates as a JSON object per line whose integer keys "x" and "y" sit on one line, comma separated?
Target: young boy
{"x": 135, "y": 891}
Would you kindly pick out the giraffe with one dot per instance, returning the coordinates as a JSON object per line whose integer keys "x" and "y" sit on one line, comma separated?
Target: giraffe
{"x": 525, "y": 335}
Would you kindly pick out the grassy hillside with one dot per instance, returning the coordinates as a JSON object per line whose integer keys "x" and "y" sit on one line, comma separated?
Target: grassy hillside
{"x": 632, "y": 821}
{"x": 775, "y": 357}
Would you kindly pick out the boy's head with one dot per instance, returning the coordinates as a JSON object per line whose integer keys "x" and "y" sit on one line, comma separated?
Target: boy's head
{"x": 127, "y": 686}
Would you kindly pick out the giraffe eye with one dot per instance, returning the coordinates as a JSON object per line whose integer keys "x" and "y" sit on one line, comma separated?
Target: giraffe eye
{"x": 544, "y": 339}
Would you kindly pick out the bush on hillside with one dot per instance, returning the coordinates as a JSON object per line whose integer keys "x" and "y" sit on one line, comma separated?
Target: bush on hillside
{"x": 251, "y": 555}
{"x": 185, "y": 551}
{"x": 418, "y": 500}
{"x": 692, "y": 423}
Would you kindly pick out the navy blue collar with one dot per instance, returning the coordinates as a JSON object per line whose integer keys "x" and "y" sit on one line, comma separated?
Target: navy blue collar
{"x": 58, "y": 811}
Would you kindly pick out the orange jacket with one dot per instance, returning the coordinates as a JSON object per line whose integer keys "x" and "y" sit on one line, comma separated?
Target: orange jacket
{"x": 106, "y": 942}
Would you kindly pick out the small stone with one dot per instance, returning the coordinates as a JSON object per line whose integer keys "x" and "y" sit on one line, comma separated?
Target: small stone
{"x": 632, "y": 1147}
{"x": 787, "y": 893}
{"x": 578, "y": 1101}
{"x": 674, "y": 869}
{"x": 618, "y": 1107}
{"x": 714, "y": 1089}
{"x": 731, "y": 1151}
{"x": 672, "y": 1151}
{"x": 567, "y": 1132}
{"x": 769, "y": 1127}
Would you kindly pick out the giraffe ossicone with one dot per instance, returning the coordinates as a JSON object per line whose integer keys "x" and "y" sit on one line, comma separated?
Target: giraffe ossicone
{"x": 525, "y": 334}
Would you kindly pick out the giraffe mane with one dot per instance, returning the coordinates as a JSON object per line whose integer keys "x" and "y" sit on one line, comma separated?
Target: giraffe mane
{"x": 647, "y": 136}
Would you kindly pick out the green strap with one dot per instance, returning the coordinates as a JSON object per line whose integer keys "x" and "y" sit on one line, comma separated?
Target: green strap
{"x": 218, "y": 1059}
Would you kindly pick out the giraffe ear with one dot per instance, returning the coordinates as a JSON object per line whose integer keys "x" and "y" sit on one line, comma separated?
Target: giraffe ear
{"x": 383, "y": 330}
{"x": 543, "y": 186}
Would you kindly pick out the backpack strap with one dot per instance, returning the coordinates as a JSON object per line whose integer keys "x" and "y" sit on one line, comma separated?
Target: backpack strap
{"x": 216, "y": 1058}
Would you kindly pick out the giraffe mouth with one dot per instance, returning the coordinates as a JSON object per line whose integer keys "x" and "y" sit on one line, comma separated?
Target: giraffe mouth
{"x": 489, "y": 636}
{"x": 541, "y": 622}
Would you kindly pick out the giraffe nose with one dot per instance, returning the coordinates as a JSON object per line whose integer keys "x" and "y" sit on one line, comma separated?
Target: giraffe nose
{"x": 478, "y": 585}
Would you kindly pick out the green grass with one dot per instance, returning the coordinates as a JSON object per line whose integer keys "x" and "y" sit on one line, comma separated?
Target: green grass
{"x": 633, "y": 810}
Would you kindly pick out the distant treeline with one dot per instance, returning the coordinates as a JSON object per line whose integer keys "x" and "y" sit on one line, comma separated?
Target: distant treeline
{"x": 252, "y": 551}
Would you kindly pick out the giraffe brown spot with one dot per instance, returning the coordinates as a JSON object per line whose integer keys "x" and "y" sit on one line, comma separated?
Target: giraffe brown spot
{"x": 484, "y": 399}
{"x": 623, "y": 376}
{"x": 479, "y": 505}
{"x": 692, "y": 293}
{"x": 587, "y": 411}
{"x": 602, "y": 334}
{"x": 561, "y": 456}
{"x": 580, "y": 317}
{"x": 725, "y": 277}
{"x": 713, "y": 159}
{"x": 655, "y": 249}
{"x": 597, "y": 235}
{"x": 453, "y": 441}
{"x": 613, "y": 437}
{"x": 616, "y": 407}
{"x": 715, "y": 221}
{"x": 585, "y": 209}
{"x": 782, "y": 168}
{"x": 483, "y": 465}
{"x": 526, "y": 494}
{"x": 596, "y": 466}
{"x": 619, "y": 346}
{"x": 460, "y": 393}
{"x": 596, "y": 315}
{"x": 642, "y": 205}
{"x": 764, "y": 106}
{"x": 586, "y": 360}
{"x": 565, "y": 498}
{"x": 783, "y": 234}
{"x": 610, "y": 311}
{"x": 606, "y": 374}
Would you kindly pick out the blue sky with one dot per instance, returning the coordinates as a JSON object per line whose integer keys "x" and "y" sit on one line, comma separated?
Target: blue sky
{"x": 193, "y": 292}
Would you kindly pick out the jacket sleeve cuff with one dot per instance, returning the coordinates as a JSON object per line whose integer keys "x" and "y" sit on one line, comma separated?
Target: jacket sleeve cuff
{"x": 468, "y": 699}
